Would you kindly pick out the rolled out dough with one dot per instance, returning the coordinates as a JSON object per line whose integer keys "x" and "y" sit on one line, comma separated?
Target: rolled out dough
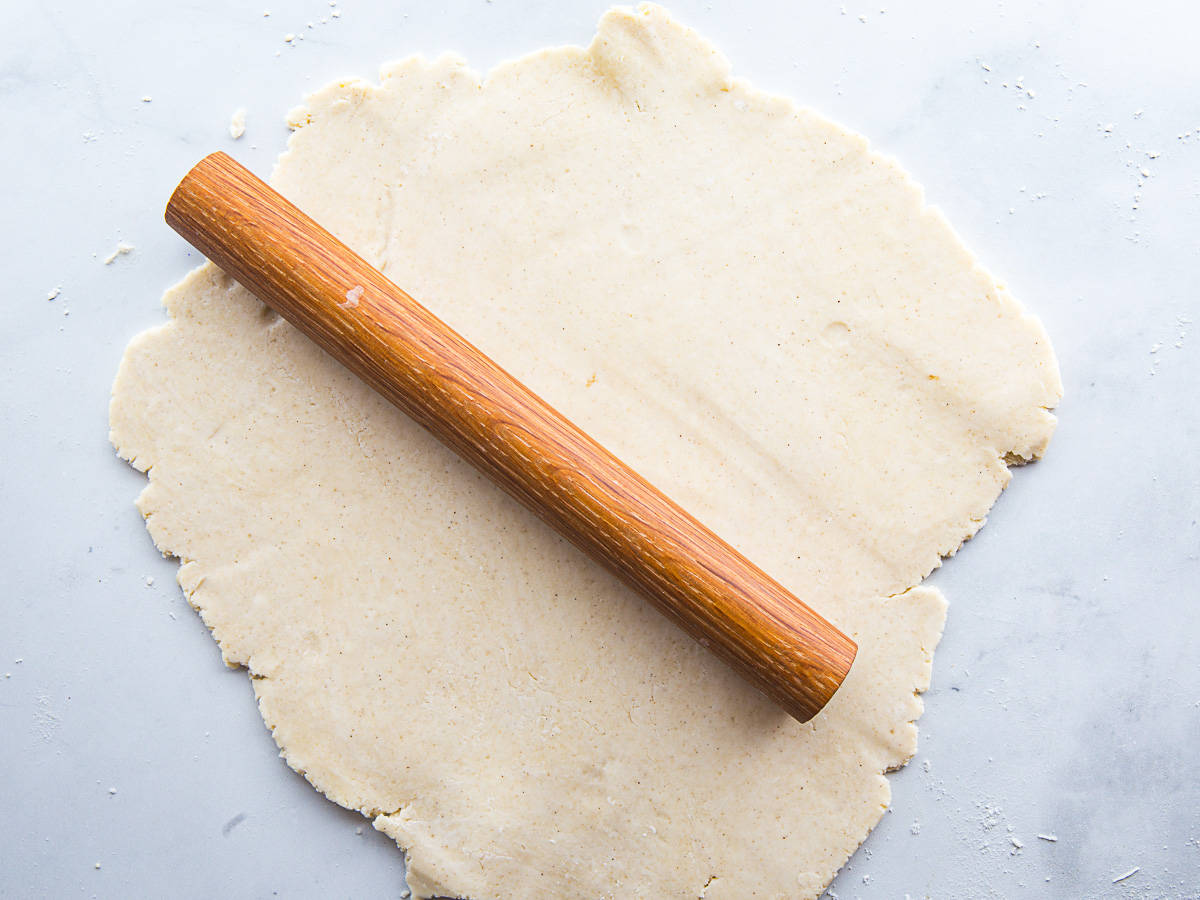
{"x": 738, "y": 298}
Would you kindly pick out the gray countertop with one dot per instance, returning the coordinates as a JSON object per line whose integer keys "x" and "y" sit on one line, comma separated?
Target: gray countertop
{"x": 1061, "y": 140}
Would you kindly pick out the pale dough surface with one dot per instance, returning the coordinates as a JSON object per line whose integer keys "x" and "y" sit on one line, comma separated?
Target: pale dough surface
{"x": 738, "y": 298}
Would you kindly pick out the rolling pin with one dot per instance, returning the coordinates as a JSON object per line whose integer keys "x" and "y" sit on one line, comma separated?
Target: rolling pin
{"x": 429, "y": 371}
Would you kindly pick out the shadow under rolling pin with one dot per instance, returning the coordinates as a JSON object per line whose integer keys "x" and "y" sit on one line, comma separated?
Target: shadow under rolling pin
{"x": 430, "y": 372}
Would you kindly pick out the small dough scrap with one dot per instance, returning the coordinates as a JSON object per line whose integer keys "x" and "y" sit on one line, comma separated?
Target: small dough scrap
{"x": 736, "y": 296}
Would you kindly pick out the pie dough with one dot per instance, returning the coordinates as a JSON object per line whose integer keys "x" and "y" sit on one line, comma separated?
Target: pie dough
{"x": 736, "y": 296}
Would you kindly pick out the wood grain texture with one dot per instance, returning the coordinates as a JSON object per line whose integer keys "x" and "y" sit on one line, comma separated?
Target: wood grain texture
{"x": 429, "y": 371}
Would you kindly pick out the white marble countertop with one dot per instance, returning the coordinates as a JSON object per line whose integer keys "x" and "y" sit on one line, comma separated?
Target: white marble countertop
{"x": 1063, "y": 142}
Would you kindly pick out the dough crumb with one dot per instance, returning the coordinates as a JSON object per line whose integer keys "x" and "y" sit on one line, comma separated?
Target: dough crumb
{"x": 237, "y": 123}
{"x": 1052, "y": 838}
{"x": 1017, "y": 844}
{"x": 147, "y": 99}
{"x": 1128, "y": 874}
{"x": 915, "y": 828}
{"x": 149, "y": 580}
{"x": 122, "y": 250}
{"x": 54, "y": 293}
{"x": 112, "y": 791}
{"x": 97, "y": 866}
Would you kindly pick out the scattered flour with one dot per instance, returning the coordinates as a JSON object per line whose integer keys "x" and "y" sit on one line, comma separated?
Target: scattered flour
{"x": 991, "y": 816}
{"x": 45, "y": 720}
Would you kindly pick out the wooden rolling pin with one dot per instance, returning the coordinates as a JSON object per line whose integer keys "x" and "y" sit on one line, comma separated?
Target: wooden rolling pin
{"x": 598, "y": 503}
